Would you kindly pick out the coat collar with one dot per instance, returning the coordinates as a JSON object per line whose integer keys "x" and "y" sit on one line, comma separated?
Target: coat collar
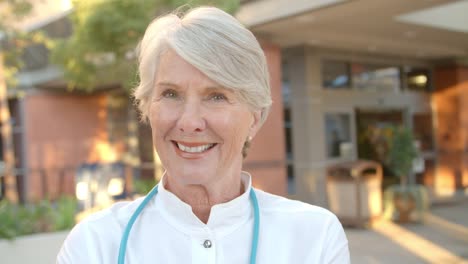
{"x": 224, "y": 217}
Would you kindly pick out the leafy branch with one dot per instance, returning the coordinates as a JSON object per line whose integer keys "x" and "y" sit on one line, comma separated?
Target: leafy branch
{"x": 106, "y": 32}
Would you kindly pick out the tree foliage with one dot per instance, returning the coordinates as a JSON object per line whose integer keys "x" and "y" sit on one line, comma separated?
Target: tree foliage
{"x": 105, "y": 34}
{"x": 12, "y": 10}
{"x": 401, "y": 152}
{"x": 14, "y": 40}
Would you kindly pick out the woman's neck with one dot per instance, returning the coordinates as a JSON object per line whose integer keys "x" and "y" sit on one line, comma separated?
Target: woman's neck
{"x": 202, "y": 197}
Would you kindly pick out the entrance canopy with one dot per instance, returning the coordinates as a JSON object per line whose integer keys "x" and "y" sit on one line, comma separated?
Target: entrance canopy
{"x": 419, "y": 29}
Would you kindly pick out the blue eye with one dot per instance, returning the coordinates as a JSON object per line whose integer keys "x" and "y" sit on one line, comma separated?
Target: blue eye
{"x": 218, "y": 97}
{"x": 169, "y": 94}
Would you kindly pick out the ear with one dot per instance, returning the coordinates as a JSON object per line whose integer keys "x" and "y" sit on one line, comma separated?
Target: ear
{"x": 255, "y": 126}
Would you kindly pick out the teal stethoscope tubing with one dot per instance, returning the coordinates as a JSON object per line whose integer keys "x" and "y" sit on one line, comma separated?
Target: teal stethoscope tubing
{"x": 154, "y": 191}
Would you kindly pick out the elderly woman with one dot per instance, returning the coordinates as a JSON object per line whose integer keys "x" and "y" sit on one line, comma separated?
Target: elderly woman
{"x": 205, "y": 91}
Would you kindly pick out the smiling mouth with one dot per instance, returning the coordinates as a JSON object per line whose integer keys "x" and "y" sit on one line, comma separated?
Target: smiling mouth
{"x": 194, "y": 149}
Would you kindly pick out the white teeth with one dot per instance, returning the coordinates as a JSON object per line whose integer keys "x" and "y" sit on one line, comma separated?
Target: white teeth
{"x": 194, "y": 149}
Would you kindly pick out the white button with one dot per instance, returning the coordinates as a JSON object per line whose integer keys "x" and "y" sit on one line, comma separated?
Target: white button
{"x": 207, "y": 244}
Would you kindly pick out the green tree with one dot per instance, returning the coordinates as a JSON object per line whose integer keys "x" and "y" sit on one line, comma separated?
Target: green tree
{"x": 105, "y": 34}
{"x": 13, "y": 40}
{"x": 401, "y": 153}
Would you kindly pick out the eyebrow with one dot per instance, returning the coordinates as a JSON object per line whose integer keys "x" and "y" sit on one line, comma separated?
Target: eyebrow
{"x": 212, "y": 88}
{"x": 167, "y": 84}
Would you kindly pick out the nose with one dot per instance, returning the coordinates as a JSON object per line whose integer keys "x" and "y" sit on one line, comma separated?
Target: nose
{"x": 191, "y": 118}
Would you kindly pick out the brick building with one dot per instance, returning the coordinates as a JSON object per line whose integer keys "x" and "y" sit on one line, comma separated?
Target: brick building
{"x": 336, "y": 66}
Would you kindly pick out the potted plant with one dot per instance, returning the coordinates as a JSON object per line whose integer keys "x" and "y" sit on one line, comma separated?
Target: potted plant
{"x": 404, "y": 198}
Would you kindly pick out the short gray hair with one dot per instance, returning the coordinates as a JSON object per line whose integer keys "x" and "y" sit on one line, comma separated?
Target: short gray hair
{"x": 215, "y": 43}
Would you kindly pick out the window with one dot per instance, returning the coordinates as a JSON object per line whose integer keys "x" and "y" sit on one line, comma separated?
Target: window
{"x": 338, "y": 135}
{"x": 286, "y": 92}
{"x": 422, "y": 128}
{"x": 367, "y": 76}
{"x": 335, "y": 74}
{"x": 417, "y": 79}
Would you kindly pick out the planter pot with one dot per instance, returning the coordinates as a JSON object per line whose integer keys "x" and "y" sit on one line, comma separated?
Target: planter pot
{"x": 404, "y": 205}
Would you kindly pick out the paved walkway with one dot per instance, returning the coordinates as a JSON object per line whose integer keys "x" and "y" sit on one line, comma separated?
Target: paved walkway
{"x": 443, "y": 238}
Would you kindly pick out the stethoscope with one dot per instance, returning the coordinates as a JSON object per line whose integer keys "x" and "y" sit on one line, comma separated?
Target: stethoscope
{"x": 154, "y": 191}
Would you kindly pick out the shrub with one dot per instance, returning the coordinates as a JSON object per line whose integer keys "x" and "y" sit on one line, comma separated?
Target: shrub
{"x": 44, "y": 216}
{"x": 401, "y": 153}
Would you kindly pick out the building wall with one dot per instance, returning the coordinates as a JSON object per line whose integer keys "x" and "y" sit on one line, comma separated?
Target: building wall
{"x": 61, "y": 132}
{"x": 451, "y": 101}
{"x": 267, "y": 155}
{"x": 310, "y": 102}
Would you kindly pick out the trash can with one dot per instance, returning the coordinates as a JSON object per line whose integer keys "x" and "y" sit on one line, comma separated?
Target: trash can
{"x": 354, "y": 192}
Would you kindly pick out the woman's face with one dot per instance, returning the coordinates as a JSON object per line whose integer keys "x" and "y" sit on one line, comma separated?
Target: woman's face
{"x": 198, "y": 127}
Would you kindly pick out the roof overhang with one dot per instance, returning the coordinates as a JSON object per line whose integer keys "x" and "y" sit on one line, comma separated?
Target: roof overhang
{"x": 42, "y": 13}
{"x": 376, "y": 27}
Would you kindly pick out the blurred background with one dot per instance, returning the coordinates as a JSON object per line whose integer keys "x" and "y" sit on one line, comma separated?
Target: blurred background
{"x": 369, "y": 120}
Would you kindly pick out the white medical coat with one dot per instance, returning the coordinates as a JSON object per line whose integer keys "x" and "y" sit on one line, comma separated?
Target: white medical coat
{"x": 167, "y": 231}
